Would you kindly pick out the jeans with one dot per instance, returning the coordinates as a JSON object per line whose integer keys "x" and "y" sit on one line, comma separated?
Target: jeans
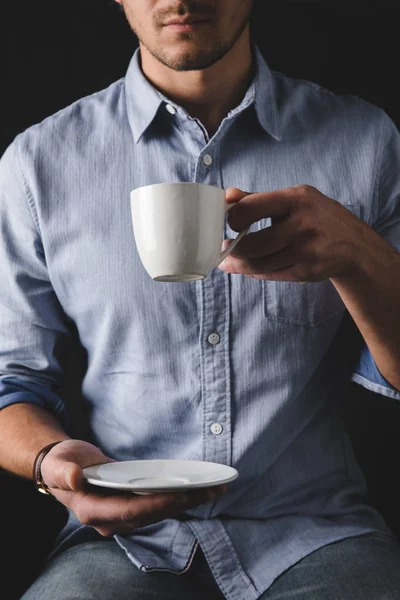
{"x": 360, "y": 568}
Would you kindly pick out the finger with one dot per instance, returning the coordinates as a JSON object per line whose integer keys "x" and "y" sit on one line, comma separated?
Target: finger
{"x": 254, "y": 207}
{"x": 288, "y": 275}
{"x": 62, "y": 466}
{"x": 187, "y": 501}
{"x": 233, "y": 195}
{"x": 95, "y": 509}
{"x": 259, "y": 266}
{"x": 155, "y": 509}
{"x": 129, "y": 512}
{"x": 269, "y": 240}
{"x": 65, "y": 475}
{"x": 284, "y": 275}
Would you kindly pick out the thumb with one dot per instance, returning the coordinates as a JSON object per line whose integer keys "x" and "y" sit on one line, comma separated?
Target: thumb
{"x": 233, "y": 194}
{"x": 73, "y": 476}
{"x": 66, "y": 476}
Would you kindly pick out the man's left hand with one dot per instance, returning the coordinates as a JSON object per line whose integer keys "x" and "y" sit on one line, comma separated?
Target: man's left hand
{"x": 312, "y": 237}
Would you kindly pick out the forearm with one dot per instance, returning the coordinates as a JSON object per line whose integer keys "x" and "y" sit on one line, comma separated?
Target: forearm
{"x": 25, "y": 430}
{"x": 371, "y": 294}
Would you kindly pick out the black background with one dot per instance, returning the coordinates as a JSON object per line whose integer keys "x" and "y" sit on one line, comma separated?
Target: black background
{"x": 56, "y": 51}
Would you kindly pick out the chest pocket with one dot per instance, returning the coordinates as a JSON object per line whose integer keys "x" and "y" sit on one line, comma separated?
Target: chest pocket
{"x": 310, "y": 304}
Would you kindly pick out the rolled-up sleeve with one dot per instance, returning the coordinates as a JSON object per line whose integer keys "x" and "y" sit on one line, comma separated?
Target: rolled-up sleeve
{"x": 386, "y": 222}
{"x": 34, "y": 331}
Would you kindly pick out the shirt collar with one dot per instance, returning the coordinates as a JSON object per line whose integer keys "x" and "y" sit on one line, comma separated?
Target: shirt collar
{"x": 265, "y": 99}
{"x": 143, "y": 100}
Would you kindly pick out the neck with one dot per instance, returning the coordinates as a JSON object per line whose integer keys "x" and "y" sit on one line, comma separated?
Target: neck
{"x": 208, "y": 94}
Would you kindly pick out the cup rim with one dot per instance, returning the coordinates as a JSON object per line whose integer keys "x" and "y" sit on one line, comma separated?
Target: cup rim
{"x": 194, "y": 183}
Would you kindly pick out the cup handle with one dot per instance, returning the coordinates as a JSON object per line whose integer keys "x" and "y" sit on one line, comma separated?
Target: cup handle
{"x": 235, "y": 242}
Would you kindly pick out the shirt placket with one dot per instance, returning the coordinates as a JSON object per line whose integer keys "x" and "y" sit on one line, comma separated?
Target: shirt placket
{"x": 213, "y": 295}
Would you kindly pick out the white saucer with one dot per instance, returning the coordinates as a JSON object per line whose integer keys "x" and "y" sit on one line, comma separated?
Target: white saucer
{"x": 150, "y": 476}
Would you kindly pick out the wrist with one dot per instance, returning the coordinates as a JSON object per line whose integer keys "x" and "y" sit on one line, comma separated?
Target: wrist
{"x": 366, "y": 246}
{"x": 36, "y": 471}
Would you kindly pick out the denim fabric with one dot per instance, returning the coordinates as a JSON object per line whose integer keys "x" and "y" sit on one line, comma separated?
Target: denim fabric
{"x": 154, "y": 384}
{"x": 359, "y": 568}
{"x": 100, "y": 570}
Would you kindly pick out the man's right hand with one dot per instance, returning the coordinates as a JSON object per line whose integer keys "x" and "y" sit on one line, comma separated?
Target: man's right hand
{"x": 108, "y": 511}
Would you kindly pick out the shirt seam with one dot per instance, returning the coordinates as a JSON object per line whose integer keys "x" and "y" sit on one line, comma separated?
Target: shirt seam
{"x": 375, "y": 387}
{"x": 376, "y": 177}
{"x": 32, "y": 210}
{"x": 242, "y": 574}
{"x": 239, "y": 571}
{"x": 185, "y": 569}
{"x": 27, "y": 192}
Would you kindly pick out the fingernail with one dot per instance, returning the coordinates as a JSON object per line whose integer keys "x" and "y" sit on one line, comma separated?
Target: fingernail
{"x": 68, "y": 479}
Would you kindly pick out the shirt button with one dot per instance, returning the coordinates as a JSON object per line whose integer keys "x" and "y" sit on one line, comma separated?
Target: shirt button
{"x": 214, "y": 339}
{"x": 207, "y": 160}
{"x": 216, "y": 428}
{"x": 171, "y": 109}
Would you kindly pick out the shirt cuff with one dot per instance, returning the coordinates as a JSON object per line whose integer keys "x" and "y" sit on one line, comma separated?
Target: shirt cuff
{"x": 367, "y": 374}
{"x": 15, "y": 390}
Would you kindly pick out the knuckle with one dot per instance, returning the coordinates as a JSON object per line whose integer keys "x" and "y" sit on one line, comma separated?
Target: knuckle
{"x": 127, "y": 515}
{"x": 126, "y": 512}
{"x": 124, "y": 516}
{"x": 305, "y": 189}
{"x": 81, "y": 509}
{"x": 85, "y": 517}
{"x": 153, "y": 506}
{"x": 303, "y": 194}
{"x": 299, "y": 190}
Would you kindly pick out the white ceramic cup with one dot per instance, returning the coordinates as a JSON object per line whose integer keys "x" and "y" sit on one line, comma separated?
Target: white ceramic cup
{"x": 179, "y": 228}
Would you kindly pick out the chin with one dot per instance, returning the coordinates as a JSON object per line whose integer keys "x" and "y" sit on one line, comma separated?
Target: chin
{"x": 191, "y": 57}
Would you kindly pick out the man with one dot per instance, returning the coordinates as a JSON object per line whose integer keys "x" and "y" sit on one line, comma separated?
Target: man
{"x": 245, "y": 368}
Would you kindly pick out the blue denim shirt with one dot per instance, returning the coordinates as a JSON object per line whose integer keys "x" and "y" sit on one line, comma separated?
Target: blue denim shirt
{"x": 154, "y": 383}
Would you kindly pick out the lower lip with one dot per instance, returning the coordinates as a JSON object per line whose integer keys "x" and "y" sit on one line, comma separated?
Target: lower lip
{"x": 186, "y": 26}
